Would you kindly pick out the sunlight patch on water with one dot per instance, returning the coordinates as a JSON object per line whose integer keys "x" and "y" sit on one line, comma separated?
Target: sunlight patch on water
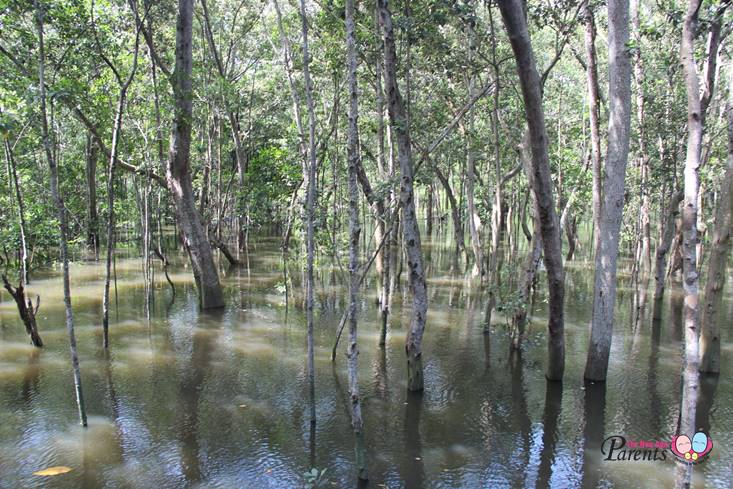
{"x": 12, "y": 371}
{"x": 13, "y": 350}
{"x": 251, "y": 347}
{"x": 99, "y": 441}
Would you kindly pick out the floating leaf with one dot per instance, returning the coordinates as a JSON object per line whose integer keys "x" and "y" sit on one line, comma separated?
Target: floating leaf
{"x": 58, "y": 470}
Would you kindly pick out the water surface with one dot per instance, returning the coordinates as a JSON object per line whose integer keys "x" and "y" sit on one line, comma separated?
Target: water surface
{"x": 188, "y": 399}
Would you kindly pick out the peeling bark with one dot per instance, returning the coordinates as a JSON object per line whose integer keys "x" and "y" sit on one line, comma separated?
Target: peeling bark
{"x": 619, "y": 95}
{"x": 717, "y": 266}
{"x": 411, "y": 232}
{"x": 516, "y": 26}
{"x": 178, "y": 168}
{"x": 352, "y": 352}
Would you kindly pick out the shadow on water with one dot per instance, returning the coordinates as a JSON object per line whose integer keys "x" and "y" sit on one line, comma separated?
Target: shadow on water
{"x": 379, "y": 368}
{"x": 705, "y": 401}
{"x": 31, "y": 378}
{"x": 522, "y": 421}
{"x": 413, "y": 467}
{"x": 655, "y": 402}
{"x": 594, "y": 411}
{"x": 550, "y": 418}
{"x": 191, "y": 386}
{"x": 676, "y": 301}
{"x": 487, "y": 350}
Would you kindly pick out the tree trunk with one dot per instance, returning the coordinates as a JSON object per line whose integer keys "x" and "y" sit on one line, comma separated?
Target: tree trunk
{"x": 497, "y": 215}
{"x": 595, "y": 128}
{"x": 474, "y": 220}
{"x": 604, "y": 296}
{"x": 15, "y": 183}
{"x": 429, "y": 212}
{"x": 61, "y": 215}
{"x": 660, "y": 255}
{"x": 26, "y": 310}
{"x": 310, "y": 203}
{"x": 455, "y": 215}
{"x": 91, "y": 181}
{"x": 496, "y": 225}
{"x": 411, "y": 232}
{"x": 532, "y": 260}
{"x": 643, "y": 162}
{"x": 116, "y": 134}
{"x": 385, "y": 171}
{"x": 717, "y": 266}
{"x": 695, "y": 117}
{"x": 516, "y": 26}
{"x": 178, "y": 169}
{"x": 352, "y": 352}
{"x": 240, "y": 157}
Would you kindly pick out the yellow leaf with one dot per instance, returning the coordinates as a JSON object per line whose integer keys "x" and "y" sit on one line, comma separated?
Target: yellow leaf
{"x": 60, "y": 469}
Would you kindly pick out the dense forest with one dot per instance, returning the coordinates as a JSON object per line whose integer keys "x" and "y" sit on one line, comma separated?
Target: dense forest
{"x": 353, "y": 174}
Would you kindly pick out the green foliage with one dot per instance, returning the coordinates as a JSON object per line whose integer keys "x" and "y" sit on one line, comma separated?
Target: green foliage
{"x": 271, "y": 178}
{"x": 314, "y": 478}
{"x": 253, "y": 100}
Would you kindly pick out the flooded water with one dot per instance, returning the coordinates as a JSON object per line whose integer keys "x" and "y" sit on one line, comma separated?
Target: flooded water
{"x": 220, "y": 400}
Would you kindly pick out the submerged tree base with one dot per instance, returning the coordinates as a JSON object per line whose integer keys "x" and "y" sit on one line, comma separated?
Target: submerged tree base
{"x": 26, "y": 310}
{"x": 415, "y": 377}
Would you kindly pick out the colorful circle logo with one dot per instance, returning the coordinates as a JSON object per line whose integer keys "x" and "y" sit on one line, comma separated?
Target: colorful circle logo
{"x": 692, "y": 451}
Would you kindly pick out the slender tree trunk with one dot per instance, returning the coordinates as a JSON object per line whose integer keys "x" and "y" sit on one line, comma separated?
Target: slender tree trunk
{"x": 234, "y": 126}
{"x": 717, "y": 266}
{"x": 385, "y": 256}
{"x": 531, "y": 264}
{"x": 208, "y": 165}
{"x": 516, "y": 26}
{"x": 352, "y": 351}
{"x": 91, "y": 181}
{"x": 595, "y": 128}
{"x": 496, "y": 206}
{"x": 15, "y": 183}
{"x": 667, "y": 233}
{"x": 455, "y": 215}
{"x": 604, "y": 296}
{"x": 295, "y": 98}
{"x": 116, "y": 133}
{"x": 411, "y": 232}
{"x": 429, "y": 218}
{"x": 695, "y": 126}
{"x": 474, "y": 220}
{"x": 61, "y": 215}
{"x": 178, "y": 169}
{"x": 310, "y": 204}
{"x": 643, "y": 161}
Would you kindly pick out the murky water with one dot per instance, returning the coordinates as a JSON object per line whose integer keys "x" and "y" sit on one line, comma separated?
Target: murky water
{"x": 220, "y": 400}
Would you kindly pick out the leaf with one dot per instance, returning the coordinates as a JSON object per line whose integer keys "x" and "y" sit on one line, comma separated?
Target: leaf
{"x": 58, "y": 470}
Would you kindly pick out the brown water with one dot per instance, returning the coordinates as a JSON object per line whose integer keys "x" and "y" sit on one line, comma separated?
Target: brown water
{"x": 220, "y": 400}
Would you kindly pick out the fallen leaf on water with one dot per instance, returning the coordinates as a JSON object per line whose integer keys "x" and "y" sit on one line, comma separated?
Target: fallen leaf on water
{"x": 58, "y": 470}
